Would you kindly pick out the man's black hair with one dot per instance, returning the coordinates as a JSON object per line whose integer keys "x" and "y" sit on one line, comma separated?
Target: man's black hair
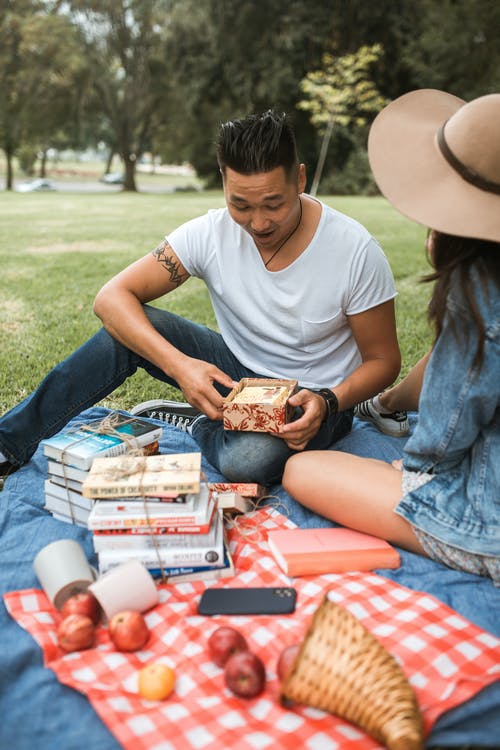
{"x": 257, "y": 143}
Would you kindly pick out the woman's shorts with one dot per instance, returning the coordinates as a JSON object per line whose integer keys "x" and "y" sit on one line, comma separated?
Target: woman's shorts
{"x": 454, "y": 557}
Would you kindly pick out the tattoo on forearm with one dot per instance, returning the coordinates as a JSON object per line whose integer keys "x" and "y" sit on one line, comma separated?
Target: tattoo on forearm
{"x": 164, "y": 255}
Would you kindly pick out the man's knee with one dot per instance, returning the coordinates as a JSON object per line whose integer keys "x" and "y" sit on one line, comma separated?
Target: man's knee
{"x": 253, "y": 457}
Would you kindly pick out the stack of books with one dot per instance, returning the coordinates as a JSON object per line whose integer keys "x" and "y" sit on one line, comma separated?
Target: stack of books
{"x": 157, "y": 510}
{"x": 71, "y": 453}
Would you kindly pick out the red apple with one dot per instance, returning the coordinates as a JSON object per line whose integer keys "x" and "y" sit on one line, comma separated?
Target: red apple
{"x": 245, "y": 674}
{"x": 83, "y": 603}
{"x": 128, "y": 630}
{"x": 286, "y": 660}
{"x": 224, "y": 642}
{"x": 75, "y": 633}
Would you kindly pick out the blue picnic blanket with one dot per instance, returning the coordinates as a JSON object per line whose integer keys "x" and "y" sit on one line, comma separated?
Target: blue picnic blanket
{"x": 37, "y": 711}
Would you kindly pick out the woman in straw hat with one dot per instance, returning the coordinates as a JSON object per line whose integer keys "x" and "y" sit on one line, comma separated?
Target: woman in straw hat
{"x": 437, "y": 160}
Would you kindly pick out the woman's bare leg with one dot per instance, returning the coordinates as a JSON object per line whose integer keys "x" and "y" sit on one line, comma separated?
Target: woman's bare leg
{"x": 406, "y": 394}
{"x": 360, "y": 493}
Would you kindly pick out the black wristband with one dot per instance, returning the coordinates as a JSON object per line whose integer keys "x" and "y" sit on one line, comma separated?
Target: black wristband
{"x": 332, "y": 404}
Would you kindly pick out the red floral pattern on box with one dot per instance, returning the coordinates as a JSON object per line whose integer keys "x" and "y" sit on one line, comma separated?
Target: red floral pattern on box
{"x": 257, "y": 417}
{"x": 254, "y": 418}
{"x": 446, "y": 658}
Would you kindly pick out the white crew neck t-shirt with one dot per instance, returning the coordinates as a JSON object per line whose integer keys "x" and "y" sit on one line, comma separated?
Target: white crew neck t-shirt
{"x": 290, "y": 323}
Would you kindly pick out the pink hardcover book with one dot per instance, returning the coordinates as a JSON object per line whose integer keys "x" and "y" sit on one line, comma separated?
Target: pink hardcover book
{"x": 302, "y": 552}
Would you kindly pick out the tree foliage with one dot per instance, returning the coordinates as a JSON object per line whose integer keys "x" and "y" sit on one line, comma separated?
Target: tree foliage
{"x": 227, "y": 59}
{"x": 342, "y": 90}
{"x": 456, "y": 47}
{"x": 161, "y": 75}
{"x": 341, "y": 93}
{"x": 52, "y": 80}
{"x": 41, "y": 67}
{"x": 123, "y": 50}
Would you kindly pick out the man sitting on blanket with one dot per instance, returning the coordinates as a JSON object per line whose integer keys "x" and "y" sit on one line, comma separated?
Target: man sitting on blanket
{"x": 300, "y": 291}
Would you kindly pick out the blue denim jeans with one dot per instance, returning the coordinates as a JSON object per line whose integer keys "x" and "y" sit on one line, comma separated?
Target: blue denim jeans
{"x": 102, "y": 364}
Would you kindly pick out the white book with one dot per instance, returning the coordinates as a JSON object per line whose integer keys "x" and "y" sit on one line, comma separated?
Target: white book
{"x": 183, "y": 550}
{"x": 70, "y": 484}
{"x": 71, "y": 514}
{"x": 57, "y": 469}
{"x": 107, "y": 515}
{"x": 129, "y": 541}
{"x": 154, "y": 505}
{"x": 200, "y": 573}
{"x": 69, "y": 497}
{"x": 65, "y": 519}
{"x": 132, "y": 541}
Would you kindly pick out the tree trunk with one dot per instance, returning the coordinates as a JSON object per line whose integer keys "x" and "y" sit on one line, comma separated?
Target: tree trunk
{"x": 322, "y": 157}
{"x": 43, "y": 164}
{"x": 109, "y": 161}
{"x": 9, "y": 154}
{"x": 129, "y": 183}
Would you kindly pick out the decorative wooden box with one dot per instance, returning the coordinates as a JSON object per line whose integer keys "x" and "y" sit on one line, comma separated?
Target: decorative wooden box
{"x": 259, "y": 405}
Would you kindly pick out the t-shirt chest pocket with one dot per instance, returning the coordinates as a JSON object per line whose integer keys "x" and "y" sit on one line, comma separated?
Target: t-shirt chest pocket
{"x": 316, "y": 333}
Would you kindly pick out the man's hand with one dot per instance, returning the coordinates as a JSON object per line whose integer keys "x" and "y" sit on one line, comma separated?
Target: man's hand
{"x": 196, "y": 380}
{"x": 298, "y": 433}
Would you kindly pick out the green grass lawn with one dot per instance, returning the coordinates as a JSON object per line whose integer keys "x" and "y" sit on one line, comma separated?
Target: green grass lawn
{"x": 56, "y": 251}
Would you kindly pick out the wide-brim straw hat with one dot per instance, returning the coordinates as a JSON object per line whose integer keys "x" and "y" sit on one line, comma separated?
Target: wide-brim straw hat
{"x": 437, "y": 160}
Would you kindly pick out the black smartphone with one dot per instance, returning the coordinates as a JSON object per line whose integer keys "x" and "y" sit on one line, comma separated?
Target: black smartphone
{"x": 261, "y": 600}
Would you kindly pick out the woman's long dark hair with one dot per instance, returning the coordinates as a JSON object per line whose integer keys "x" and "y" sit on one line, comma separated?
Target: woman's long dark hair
{"x": 454, "y": 257}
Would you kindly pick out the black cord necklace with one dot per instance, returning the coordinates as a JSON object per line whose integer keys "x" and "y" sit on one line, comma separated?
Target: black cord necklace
{"x": 287, "y": 237}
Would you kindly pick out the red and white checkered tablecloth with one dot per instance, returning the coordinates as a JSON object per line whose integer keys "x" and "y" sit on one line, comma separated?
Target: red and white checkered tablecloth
{"x": 446, "y": 658}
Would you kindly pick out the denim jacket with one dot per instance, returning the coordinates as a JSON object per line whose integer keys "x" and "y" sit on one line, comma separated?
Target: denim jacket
{"x": 457, "y": 437}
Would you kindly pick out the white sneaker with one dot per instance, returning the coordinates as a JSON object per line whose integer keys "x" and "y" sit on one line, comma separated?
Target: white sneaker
{"x": 180, "y": 414}
{"x": 395, "y": 423}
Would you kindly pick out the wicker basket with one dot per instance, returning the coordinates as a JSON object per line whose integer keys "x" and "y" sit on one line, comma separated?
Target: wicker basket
{"x": 342, "y": 668}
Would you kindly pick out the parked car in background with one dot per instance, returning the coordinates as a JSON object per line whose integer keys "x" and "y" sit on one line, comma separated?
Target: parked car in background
{"x": 113, "y": 178}
{"x": 38, "y": 185}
